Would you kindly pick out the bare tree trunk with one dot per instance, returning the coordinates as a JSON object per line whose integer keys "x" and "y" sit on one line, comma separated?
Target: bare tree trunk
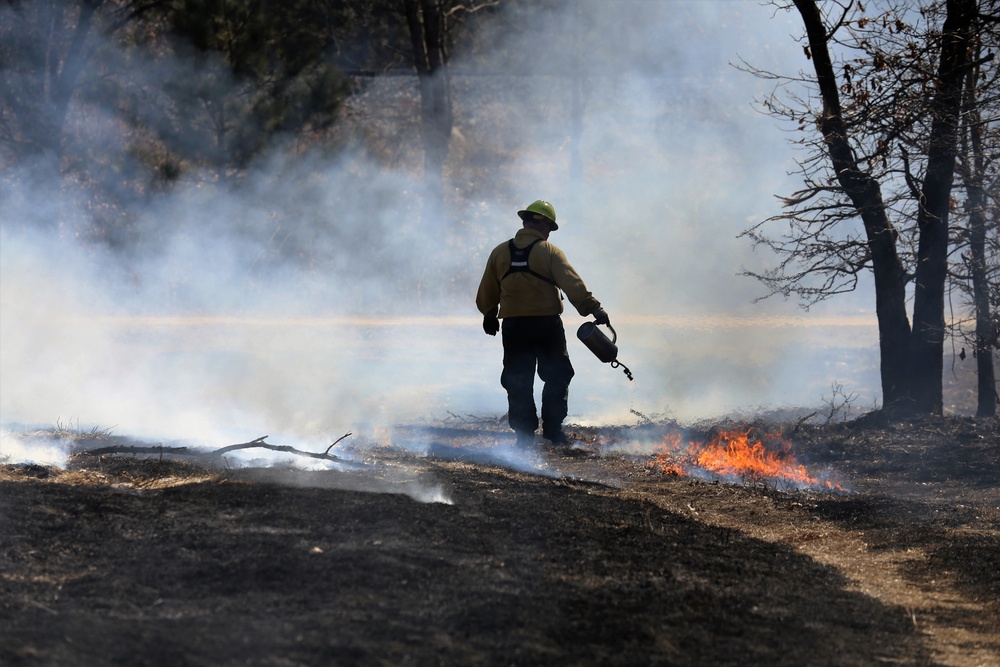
{"x": 427, "y": 36}
{"x": 985, "y": 336}
{"x": 866, "y": 195}
{"x": 927, "y": 344}
{"x": 63, "y": 70}
{"x": 974, "y": 175}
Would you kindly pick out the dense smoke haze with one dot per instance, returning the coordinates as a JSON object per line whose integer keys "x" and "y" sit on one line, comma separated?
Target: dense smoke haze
{"x": 211, "y": 321}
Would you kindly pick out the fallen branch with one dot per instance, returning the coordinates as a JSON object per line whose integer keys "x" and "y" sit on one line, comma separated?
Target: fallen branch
{"x": 258, "y": 442}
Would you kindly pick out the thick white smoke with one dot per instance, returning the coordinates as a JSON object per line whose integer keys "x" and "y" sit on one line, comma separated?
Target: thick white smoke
{"x": 218, "y": 323}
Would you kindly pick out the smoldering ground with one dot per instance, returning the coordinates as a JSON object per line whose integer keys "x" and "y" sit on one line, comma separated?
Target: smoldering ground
{"x": 119, "y": 560}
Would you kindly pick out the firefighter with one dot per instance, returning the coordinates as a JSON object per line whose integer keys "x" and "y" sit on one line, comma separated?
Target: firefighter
{"x": 521, "y": 285}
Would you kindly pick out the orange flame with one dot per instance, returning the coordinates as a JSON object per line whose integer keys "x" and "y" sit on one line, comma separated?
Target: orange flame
{"x": 745, "y": 455}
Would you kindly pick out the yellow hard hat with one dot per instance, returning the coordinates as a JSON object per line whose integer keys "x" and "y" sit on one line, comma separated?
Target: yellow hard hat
{"x": 542, "y": 208}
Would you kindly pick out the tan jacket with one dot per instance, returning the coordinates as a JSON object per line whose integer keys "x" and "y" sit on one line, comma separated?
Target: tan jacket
{"x": 522, "y": 294}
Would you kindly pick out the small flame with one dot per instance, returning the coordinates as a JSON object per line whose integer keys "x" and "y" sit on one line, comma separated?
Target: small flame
{"x": 736, "y": 454}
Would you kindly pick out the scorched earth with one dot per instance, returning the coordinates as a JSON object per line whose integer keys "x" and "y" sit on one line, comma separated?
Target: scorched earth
{"x": 618, "y": 553}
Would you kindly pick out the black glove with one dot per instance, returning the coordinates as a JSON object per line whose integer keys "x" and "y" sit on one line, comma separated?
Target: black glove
{"x": 491, "y": 324}
{"x": 601, "y": 317}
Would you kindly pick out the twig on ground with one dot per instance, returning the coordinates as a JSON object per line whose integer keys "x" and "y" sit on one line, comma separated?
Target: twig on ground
{"x": 642, "y": 418}
{"x": 336, "y": 441}
{"x": 803, "y": 420}
{"x": 477, "y": 419}
{"x": 839, "y": 404}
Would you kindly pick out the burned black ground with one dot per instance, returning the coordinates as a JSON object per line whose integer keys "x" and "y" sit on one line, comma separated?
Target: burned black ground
{"x": 128, "y": 561}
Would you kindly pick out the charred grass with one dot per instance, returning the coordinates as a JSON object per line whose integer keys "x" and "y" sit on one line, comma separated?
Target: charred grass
{"x": 121, "y": 560}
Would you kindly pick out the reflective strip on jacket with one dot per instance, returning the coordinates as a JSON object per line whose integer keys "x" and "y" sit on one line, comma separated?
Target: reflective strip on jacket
{"x": 522, "y": 294}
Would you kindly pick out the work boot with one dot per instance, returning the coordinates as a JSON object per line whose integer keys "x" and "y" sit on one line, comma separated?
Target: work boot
{"x": 558, "y": 438}
{"x": 563, "y": 445}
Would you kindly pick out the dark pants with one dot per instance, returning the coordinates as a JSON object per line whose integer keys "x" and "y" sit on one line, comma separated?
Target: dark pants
{"x": 527, "y": 342}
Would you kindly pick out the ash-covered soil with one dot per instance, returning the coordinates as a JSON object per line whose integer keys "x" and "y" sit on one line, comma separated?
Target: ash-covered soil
{"x": 452, "y": 554}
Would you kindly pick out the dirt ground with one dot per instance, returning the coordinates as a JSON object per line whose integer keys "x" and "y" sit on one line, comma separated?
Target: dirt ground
{"x": 450, "y": 554}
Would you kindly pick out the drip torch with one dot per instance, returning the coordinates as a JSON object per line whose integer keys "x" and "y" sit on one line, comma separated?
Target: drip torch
{"x": 603, "y": 348}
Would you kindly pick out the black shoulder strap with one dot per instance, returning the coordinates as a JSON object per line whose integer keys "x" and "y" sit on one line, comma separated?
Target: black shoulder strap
{"x": 519, "y": 261}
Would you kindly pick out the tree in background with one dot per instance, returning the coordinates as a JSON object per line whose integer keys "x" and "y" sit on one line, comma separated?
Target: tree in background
{"x": 885, "y": 154}
{"x": 977, "y": 275}
{"x": 416, "y": 36}
{"x": 122, "y": 97}
{"x": 45, "y": 47}
{"x": 244, "y": 73}
{"x": 259, "y": 72}
{"x": 58, "y": 92}
{"x": 425, "y": 20}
